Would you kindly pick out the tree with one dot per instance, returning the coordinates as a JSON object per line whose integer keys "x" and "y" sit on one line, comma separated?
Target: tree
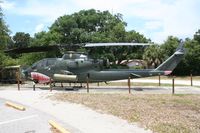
{"x": 4, "y": 32}
{"x": 46, "y": 38}
{"x": 2, "y": 58}
{"x": 133, "y": 36}
{"x": 197, "y": 36}
{"x": 4, "y": 40}
{"x": 21, "y": 39}
{"x": 153, "y": 55}
{"x": 89, "y": 26}
{"x": 95, "y": 26}
{"x": 191, "y": 62}
{"x": 30, "y": 58}
{"x": 170, "y": 45}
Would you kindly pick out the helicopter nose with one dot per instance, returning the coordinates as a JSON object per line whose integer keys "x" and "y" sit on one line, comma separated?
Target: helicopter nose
{"x": 26, "y": 73}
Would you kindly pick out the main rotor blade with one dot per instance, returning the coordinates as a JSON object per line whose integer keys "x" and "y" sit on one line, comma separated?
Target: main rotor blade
{"x": 32, "y": 49}
{"x": 43, "y": 48}
{"x": 115, "y": 44}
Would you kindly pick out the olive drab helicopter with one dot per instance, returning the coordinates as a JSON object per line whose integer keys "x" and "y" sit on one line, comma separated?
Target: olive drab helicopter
{"x": 77, "y": 67}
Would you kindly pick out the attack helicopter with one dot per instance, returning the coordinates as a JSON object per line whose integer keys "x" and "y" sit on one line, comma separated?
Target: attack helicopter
{"x": 78, "y": 67}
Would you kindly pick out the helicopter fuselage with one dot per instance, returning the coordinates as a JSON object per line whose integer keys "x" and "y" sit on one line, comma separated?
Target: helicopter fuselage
{"x": 80, "y": 70}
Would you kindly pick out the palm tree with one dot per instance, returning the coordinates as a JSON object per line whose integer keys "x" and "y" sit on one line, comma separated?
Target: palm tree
{"x": 153, "y": 55}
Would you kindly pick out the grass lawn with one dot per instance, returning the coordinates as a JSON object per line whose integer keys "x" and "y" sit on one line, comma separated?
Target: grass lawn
{"x": 159, "y": 112}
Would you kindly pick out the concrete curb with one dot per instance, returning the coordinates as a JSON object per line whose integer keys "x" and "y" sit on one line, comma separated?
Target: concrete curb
{"x": 58, "y": 127}
{"x": 16, "y": 106}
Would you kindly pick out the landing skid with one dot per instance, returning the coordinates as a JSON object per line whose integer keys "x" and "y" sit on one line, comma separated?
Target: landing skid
{"x": 75, "y": 88}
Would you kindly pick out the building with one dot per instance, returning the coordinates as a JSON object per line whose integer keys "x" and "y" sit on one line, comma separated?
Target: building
{"x": 135, "y": 63}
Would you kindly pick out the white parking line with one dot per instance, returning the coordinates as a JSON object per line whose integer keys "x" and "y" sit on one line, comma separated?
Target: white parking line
{"x": 14, "y": 120}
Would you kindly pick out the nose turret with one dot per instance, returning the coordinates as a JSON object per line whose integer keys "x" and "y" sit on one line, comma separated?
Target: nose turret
{"x": 26, "y": 73}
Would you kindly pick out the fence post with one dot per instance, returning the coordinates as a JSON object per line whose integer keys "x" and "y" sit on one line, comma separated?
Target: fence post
{"x": 191, "y": 79}
{"x": 159, "y": 79}
{"x": 81, "y": 85}
{"x": 172, "y": 85}
{"x": 17, "y": 76}
{"x": 50, "y": 85}
{"x": 33, "y": 86}
{"x": 87, "y": 83}
{"x": 129, "y": 85}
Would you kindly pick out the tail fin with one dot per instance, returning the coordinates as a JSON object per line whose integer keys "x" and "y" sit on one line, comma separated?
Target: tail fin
{"x": 170, "y": 64}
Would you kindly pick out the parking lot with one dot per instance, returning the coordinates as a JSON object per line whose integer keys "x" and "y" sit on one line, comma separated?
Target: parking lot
{"x": 28, "y": 121}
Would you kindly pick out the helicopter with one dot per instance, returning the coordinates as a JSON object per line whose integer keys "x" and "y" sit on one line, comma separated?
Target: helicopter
{"x": 78, "y": 67}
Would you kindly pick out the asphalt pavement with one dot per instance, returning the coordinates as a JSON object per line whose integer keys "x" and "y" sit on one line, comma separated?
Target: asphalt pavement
{"x": 28, "y": 121}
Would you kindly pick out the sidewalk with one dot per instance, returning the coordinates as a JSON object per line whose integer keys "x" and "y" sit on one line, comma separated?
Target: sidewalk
{"x": 163, "y": 81}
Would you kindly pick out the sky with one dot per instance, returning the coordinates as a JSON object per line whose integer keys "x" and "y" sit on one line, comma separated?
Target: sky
{"x": 156, "y": 19}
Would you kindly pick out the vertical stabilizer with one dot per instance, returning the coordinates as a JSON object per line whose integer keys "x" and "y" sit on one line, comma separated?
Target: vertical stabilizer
{"x": 169, "y": 65}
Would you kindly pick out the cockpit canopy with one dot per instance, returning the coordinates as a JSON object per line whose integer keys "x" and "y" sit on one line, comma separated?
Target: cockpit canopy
{"x": 44, "y": 63}
{"x": 74, "y": 56}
